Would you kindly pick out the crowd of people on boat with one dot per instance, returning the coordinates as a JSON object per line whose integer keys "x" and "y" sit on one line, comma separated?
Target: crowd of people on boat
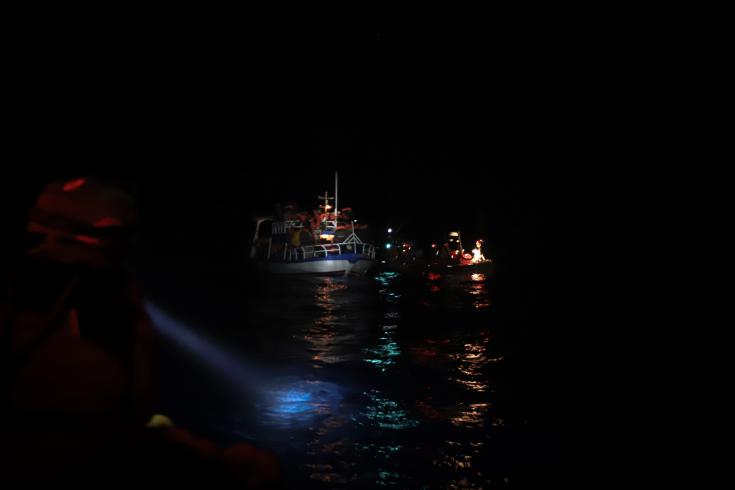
{"x": 452, "y": 252}
{"x": 402, "y": 253}
{"x": 309, "y": 228}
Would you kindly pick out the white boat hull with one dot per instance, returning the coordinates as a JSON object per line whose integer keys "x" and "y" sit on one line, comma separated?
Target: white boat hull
{"x": 322, "y": 267}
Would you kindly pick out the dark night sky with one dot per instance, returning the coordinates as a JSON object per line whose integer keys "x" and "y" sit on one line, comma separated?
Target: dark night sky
{"x": 419, "y": 123}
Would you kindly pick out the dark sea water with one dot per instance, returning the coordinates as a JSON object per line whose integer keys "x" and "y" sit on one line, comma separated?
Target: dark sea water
{"x": 353, "y": 382}
{"x": 523, "y": 378}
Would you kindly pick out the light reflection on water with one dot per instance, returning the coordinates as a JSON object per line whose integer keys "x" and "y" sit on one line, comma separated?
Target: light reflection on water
{"x": 458, "y": 290}
{"x": 458, "y": 457}
{"x": 384, "y": 413}
{"x": 478, "y": 290}
{"x": 384, "y": 354}
{"x": 322, "y": 337}
{"x": 385, "y": 281}
{"x": 378, "y": 401}
{"x": 472, "y": 361}
{"x": 295, "y": 403}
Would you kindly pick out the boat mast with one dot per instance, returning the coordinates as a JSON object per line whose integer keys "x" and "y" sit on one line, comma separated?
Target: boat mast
{"x": 336, "y": 197}
{"x": 326, "y": 205}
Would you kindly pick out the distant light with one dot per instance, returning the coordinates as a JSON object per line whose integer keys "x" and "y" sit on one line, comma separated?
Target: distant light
{"x": 387, "y": 245}
{"x": 390, "y": 230}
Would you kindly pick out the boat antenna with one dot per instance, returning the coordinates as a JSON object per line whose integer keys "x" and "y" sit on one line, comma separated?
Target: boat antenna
{"x": 326, "y": 198}
{"x": 336, "y": 196}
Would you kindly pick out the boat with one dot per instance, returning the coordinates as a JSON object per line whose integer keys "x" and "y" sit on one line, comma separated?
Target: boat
{"x": 453, "y": 257}
{"x": 403, "y": 256}
{"x": 324, "y": 242}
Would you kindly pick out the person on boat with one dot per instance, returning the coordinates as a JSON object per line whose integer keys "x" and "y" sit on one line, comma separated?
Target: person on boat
{"x": 296, "y": 238}
{"x": 477, "y": 255}
{"x": 307, "y": 236}
{"x": 295, "y": 241}
{"x": 278, "y": 245}
{"x": 77, "y": 401}
{"x": 444, "y": 253}
{"x": 344, "y": 221}
{"x": 316, "y": 219}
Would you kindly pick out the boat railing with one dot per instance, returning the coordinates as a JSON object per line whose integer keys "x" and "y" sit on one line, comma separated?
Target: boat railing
{"x": 326, "y": 250}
